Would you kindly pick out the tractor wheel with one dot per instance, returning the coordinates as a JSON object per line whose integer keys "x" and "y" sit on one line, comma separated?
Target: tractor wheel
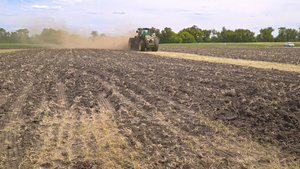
{"x": 142, "y": 46}
{"x": 131, "y": 43}
{"x": 156, "y": 44}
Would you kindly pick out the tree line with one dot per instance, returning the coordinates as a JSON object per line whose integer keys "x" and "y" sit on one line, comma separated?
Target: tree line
{"x": 191, "y": 34}
{"x": 48, "y": 35}
{"x": 196, "y": 35}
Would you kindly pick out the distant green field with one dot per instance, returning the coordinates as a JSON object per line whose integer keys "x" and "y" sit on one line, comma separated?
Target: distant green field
{"x": 250, "y": 44}
{"x": 16, "y": 45}
{"x": 11, "y": 47}
{"x": 10, "y": 50}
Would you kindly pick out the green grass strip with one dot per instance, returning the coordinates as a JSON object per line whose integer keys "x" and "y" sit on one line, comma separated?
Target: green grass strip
{"x": 240, "y": 62}
{"x": 10, "y": 50}
{"x": 24, "y": 45}
{"x": 241, "y": 44}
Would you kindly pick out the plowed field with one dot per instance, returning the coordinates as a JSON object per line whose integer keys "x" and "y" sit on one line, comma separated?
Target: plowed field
{"x": 95, "y": 108}
{"x": 280, "y": 55}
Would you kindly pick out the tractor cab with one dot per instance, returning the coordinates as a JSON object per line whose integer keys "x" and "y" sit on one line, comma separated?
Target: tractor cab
{"x": 145, "y": 32}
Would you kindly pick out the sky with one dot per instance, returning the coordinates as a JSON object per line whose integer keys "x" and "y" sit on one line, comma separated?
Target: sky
{"x": 117, "y": 17}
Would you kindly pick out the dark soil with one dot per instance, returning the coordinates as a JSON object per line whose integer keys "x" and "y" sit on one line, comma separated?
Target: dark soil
{"x": 270, "y": 54}
{"x": 157, "y": 99}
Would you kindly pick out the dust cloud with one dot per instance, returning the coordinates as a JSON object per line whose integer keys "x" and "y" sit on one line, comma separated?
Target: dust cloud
{"x": 61, "y": 36}
{"x": 64, "y": 38}
{"x": 101, "y": 42}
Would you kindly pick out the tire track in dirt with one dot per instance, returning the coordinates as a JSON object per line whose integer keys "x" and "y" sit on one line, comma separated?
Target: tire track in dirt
{"x": 40, "y": 153}
{"x": 60, "y": 123}
{"x": 74, "y": 122}
{"x": 18, "y": 120}
{"x": 101, "y": 140}
{"x": 11, "y": 149}
{"x": 15, "y": 73}
{"x": 73, "y": 133}
{"x": 62, "y": 130}
{"x": 24, "y": 105}
{"x": 52, "y": 149}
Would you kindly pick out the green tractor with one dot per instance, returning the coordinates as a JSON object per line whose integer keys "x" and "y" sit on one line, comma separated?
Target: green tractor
{"x": 145, "y": 40}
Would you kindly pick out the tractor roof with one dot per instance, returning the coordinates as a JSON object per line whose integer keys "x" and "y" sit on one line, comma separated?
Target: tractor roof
{"x": 144, "y": 28}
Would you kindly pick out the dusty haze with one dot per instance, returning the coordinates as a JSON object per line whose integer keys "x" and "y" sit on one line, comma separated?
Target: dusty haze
{"x": 102, "y": 42}
{"x": 117, "y": 38}
{"x": 68, "y": 40}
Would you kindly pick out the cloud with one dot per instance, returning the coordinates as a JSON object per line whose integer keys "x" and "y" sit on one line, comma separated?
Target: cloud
{"x": 17, "y": 28}
{"x": 45, "y": 7}
{"x": 55, "y": 7}
{"x": 197, "y": 14}
{"x": 66, "y": 1}
{"x": 119, "y": 13}
{"x": 94, "y": 13}
{"x": 40, "y": 6}
{"x": 110, "y": 14}
{"x": 7, "y": 14}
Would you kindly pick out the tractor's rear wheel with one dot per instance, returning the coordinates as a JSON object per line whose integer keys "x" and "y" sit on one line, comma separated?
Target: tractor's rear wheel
{"x": 142, "y": 46}
{"x": 131, "y": 43}
{"x": 156, "y": 44}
